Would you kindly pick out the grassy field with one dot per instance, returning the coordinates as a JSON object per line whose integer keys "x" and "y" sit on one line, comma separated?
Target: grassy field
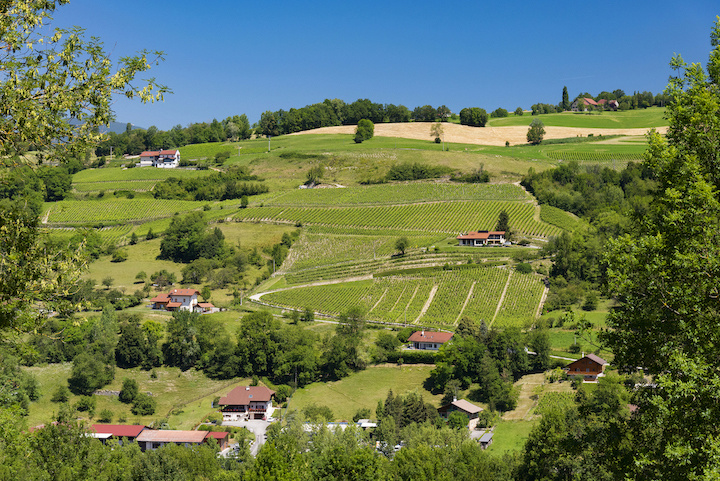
{"x": 628, "y": 119}
{"x": 183, "y": 397}
{"x": 364, "y": 389}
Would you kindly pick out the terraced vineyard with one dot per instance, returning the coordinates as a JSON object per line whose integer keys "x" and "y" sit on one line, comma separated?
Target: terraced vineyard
{"x": 448, "y": 217}
{"x": 114, "y": 211}
{"x": 399, "y": 194}
{"x": 429, "y": 298}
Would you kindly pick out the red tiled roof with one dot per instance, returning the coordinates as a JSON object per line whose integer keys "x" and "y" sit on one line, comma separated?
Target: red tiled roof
{"x": 184, "y": 292}
{"x": 161, "y": 298}
{"x": 150, "y": 153}
{"x": 168, "y": 152}
{"x": 206, "y": 305}
{"x": 118, "y": 430}
{"x": 217, "y": 435}
{"x": 430, "y": 336}
{"x": 242, "y": 395}
{"x": 602, "y": 101}
{"x": 170, "y": 436}
{"x": 589, "y": 101}
{"x": 481, "y": 234}
{"x": 174, "y": 304}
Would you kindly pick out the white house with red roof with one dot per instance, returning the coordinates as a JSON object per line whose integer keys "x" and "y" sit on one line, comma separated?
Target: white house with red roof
{"x": 429, "y": 340}
{"x": 163, "y": 159}
{"x": 482, "y": 238}
{"x": 247, "y": 402}
{"x": 182, "y": 300}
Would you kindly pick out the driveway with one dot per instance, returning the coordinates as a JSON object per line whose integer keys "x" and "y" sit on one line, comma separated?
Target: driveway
{"x": 256, "y": 426}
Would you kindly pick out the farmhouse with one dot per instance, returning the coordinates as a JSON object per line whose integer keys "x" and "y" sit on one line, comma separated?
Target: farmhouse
{"x": 482, "y": 238}
{"x": 163, "y": 159}
{"x": 429, "y": 340}
{"x": 590, "y": 367}
{"x": 466, "y": 407}
{"x": 247, "y": 402}
{"x": 181, "y": 300}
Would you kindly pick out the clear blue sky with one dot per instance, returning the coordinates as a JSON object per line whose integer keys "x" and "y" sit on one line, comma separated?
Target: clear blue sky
{"x": 225, "y": 57}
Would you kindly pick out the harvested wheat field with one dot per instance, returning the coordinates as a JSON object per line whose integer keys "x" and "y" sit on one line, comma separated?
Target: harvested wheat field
{"x": 463, "y": 134}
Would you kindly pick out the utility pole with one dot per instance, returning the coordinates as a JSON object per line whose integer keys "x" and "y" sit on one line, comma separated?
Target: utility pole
{"x": 269, "y": 142}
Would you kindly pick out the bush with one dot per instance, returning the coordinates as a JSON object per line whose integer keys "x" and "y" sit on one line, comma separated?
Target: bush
{"x": 412, "y": 357}
{"x": 86, "y": 404}
{"x": 364, "y": 131}
{"x": 129, "y": 391}
{"x": 61, "y": 394}
{"x": 119, "y": 256}
{"x": 106, "y": 415}
{"x": 88, "y": 374}
{"x": 144, "y": 405}
{"x": 524, "y": 268}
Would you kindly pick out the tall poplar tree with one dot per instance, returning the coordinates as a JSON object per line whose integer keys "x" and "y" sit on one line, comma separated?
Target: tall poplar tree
{"x": 565, "y": 99}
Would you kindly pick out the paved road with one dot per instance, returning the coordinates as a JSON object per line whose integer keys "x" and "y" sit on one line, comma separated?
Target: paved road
{"x": 257, "y": 427}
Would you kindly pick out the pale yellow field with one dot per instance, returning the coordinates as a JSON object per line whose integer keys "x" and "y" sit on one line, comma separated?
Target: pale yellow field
{"x": 464, "y": 134}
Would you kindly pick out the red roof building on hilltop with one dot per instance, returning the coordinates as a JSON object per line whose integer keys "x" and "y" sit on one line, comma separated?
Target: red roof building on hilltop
{"x": 429, "y": 340}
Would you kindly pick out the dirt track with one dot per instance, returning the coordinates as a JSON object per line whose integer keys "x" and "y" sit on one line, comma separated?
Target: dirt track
{"x": 476, "y": 135}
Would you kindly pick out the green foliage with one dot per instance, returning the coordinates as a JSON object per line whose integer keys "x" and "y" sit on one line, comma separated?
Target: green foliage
{"x": 536, "y": 132}
{"x": 458, "y": 420}
{"x": 519, "y": 111}
{"x": 500, "y": 112}
{"x": 86, "y": 404}
{"x": 315, "y": 174}
{"x": 88, "y": 374}
{"x": 144, "y": 405}
{"x": 475, "y": 117}
{"x": 60, "y": 105}
{"x": 186, "y": 239}
{"x": 129, "y": 391}
{"x": 662, "y": 277}
{"x": 105, "y": 416}
{"x": 318, "y": 413}
{"x": 402, "y": 244}
{"x": 61, "y": 394}
{"x": 364, "y": 131}
{"x": 234, "y": 183}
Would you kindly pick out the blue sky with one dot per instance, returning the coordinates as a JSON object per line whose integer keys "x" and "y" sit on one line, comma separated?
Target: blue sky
{"x": 226, "y": 58}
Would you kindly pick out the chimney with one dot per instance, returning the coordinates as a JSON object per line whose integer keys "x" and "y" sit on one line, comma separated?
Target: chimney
{"x": 422, "y": 333}
{"x": 583, "y": 354}
{"x": 247, "y": 388}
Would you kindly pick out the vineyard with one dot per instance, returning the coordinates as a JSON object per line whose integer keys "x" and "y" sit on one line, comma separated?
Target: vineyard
{"x": 113, "y": 211}
{"x": 558, "y": 217}
{"x": 399, "y": 194}
{"x": 595, "y": 157}
{"x": 135, "y": 185}
{"x": 447, "y": 217}
{"x": 438, "y": 297}
{"x": 554, "y": 400}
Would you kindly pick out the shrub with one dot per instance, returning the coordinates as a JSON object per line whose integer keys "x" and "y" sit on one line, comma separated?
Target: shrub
{"x": 119, "y": 256}
{"x": 106, "y": 415}
{"x": 364, "y": 131}
{"x": 524, "y": 268}
{"x": 144, "y": 405}
{"x": 61, "y": 394}
{"x": 86, "y": 404}
{"x": 129, "y": 391}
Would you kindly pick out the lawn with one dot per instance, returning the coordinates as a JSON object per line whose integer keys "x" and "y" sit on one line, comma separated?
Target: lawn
{"x": 628, "y": 119}
{"x": 187, "y": 394}
{"x": 364, "y": 389}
